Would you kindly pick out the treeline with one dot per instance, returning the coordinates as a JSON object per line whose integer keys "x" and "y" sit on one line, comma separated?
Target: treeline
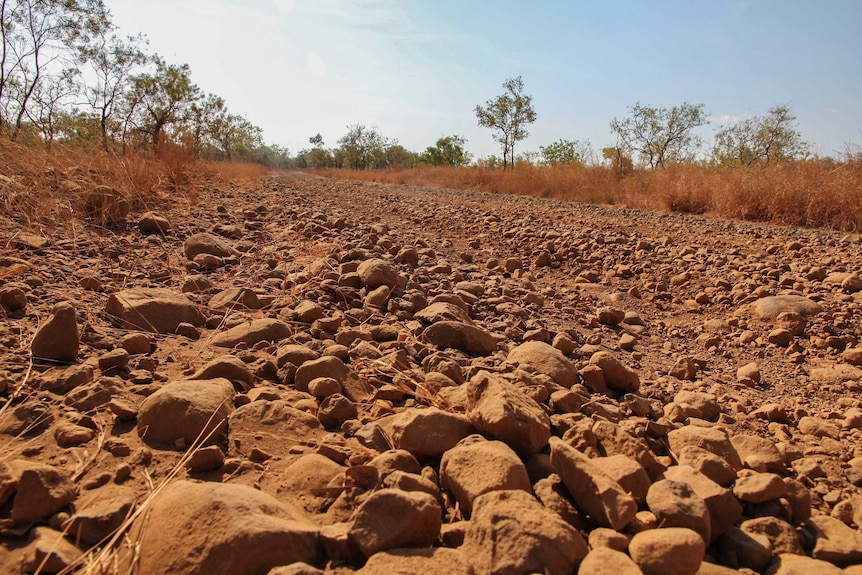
{"x": 66, "y": 76}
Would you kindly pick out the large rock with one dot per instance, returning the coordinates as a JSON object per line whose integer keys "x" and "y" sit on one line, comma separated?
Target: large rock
{"x": 57, "y": 339}
{"x": 675, "y": 504}
{"x": 187, "y": 410}
{"x": 207, "y": 244}
{"x": 617, "y": 375}
{"x": 443, "y": 311}
{"x": 592, "y": 489}
{"x": 836, "y": 542}
{"x": 504, "y": 412}
{"x": 426, "y": 432}
{"x": 476, "y": 466}
{"x": 724, "y": 509}
{"x": 466, "y": 337}
{"x": 545, "y": 359}
{"x": 511, "y": 533}
{"x": 391, "y": 518}
{"x": 430, "y": 561}
{"x": 157, "y": 310}
{"x": 41, "y": 491}
{"x": 782, "y": 536}
{"x": 376, "y": 272}
{"x": 100, "y": 514}
{"x": 769, "y": 308}
{"x": 607, "y": 561}
{"x": 220, "y": 529}
{"x": 711, "y": 439}
{"x": 793, "y": 564}
{"x": 270, "y": 426}
{"x": 615, "y": 440}
{"x": 352, "y": 386}
{"x": 671, "y": 550}
{"x": 252, "y": 332}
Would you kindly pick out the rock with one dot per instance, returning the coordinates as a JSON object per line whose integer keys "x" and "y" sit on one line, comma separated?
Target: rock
{"x": 502, "y": 411}
{"x": 252, "y": 332}
{"x": 835, "y": 542}
{"x": 226, "y": 367}
{"x": 188, "y": 411}
{"x": 749, "y": 372}
{"x": 711, "y": 465}
{"x": 708, "y": 438}
{"x": 304, "y": 482}
{"x": 105, "y": 205}
{"x": 99, "y": 515}
{"x": 354, "y": 388}
{"x": 782, "y": 536}
{"x": 376, "y": 272}
{"x": 614, "y": 440}
{"x": 156, "y": 310}
{"x": 617, "y": 375}
{"x": 68, "y": 434}
{"x": 390, "y": 518}
{"x": 510, "y": 532}
{"x": 150, "y": 223}
{"x": 605, "y": 561}
{"x": 545, "y": 359}
{"x": 269, "y": 426}
{"x": 740, "y": 549}
{"x": 298, "y": 568}
{"x": 235, "y": 298}
{"x": 41, "y": 491}
{"x": 724, "y": 509}
{"x": 428, "y": 432}
{"x": 476, "y": 466}
{"x": 49, "y": 552}
{"x": 819, "y": 427}
{"x": 13, "y": 297}
{"x": 592, "y": 489}
{"x": 675, "y": 504}
{"x": 295, "y": 354}
{"x": 610, "y": 315}
{"x": 705, "y": 404}
{"x": 233, "y": 530}
{"x": 630, "y": 474}
{"x": 852, "y": 355}
{"x": 852, "y": 283}
{"x": 758, "y": 453}
{"x": 335, "y": 409}
{"x": 432, "y": 561}
{"x": 794, "y": 564}
{"x": 324, "y": 387}
{"x": 768, "y": 308}
{"x": 669, "y": 550}
{"x": 468, "y": 338}
{"x": 206, "y": 459}
{"x": 684, "y": 368}
{"x": 57, "y": 339}
{"x": 207, "y": 244}
{"x": 443, "y": 311}
{"x": 759, "y": 487}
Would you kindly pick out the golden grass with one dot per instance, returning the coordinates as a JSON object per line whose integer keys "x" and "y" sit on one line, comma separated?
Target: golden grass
{"x": 810, "y": 193}
{"x": 235, "y": 171}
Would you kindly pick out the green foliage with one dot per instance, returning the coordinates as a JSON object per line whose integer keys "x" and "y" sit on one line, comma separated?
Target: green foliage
{"x": 760, "y": 140}
{"x": 661, "y": 136}
{"x": 363, "y": 148}
{"x": 448, "y": 151}
{"x": 508, "y": 114}
{"x": 316, "y": 140}
{"x": 566, "y": 152}
{"x": 619, "y": 160}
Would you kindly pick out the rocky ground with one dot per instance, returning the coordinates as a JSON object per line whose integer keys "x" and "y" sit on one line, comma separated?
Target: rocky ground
{"x": 311, "y": 375}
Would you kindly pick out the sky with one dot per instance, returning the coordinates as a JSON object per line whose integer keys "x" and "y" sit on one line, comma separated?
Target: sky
{"x": 416, "y": 69}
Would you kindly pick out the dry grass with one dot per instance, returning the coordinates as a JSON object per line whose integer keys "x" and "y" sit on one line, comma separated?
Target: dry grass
{"x": 41, "y": 189}
{"x": 811, "y": 193}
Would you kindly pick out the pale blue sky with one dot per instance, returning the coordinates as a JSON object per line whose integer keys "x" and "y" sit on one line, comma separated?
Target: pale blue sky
{"x": 416, "y": 69}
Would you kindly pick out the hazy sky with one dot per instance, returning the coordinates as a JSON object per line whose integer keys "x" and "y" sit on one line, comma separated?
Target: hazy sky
{"x": 416, "y": 69}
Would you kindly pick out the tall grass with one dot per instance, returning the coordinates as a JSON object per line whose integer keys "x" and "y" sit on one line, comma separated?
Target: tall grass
{"x": 810, "y": 193}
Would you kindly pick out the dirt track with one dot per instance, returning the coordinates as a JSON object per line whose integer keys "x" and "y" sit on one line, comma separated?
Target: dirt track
{"x": 676, "y": 301}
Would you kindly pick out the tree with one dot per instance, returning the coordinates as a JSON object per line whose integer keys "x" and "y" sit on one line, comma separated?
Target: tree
{"x": 397, "y": 155}
{"x": 316, "y": 141}
{"x": 162, "y": 99}
{"x": 661, "y": 135}
{"x": 36, "y": 34}
{"x": 362, "y": 147}
{"x": 508, "y": 114}
{"x": 47, "y": 101}
{"x": 112, "y": 61}
{"x": 760, "y": 140}
{"x": 448, "y": 151}
{"x": 620, "y": 161}
{"x": 566, "y": 152}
